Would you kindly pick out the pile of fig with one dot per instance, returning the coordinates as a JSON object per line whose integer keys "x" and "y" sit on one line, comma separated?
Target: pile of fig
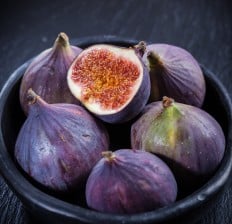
{"x": 78, "y": 104}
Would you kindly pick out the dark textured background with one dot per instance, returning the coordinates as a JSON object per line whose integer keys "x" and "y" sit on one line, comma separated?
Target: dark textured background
{"x": 202, "y": 27}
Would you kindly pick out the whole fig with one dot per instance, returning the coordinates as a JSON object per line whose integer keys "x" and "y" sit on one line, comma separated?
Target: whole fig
{"x": 187, "y": 138}
{"x": 47, "y": 72}
{"x": 59, "y": 144}
{"x": 174, "y": 73}
{"x": 110, "y": 81}
{"x": 130, "y": 181}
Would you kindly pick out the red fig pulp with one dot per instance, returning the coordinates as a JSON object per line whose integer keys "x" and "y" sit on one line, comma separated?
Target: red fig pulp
{"x": 59, "y": 144}
{"x": 110, "y": 81}
{"x": 174, "y": 73}
{"x": 47, "y": 73}
{"x": 189, "y": 139}
{"x": 130, "y": 181}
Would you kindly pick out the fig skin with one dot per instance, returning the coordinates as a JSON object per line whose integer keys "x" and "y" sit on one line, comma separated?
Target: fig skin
{"x": 187, "y": 138}
{"x": 59, "y": 144}
{"x": 47, "y": 72}
{"x": 136, "y": 103}
{"x": 174, "y": 73}
{"x": 130, "y": 181}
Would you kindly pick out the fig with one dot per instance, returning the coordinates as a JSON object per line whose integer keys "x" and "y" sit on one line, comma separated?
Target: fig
{"x": 111, "y": 82}
{"x": 175, "y": 73}
{"x": 47, "y": 72}
{"x": 59, "y": 144}
{"x": 130, "y": 181}
{"x": 187, "y": 138}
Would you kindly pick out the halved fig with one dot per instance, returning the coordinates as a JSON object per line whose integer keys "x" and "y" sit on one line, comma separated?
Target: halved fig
{"x": 112, "y": 82}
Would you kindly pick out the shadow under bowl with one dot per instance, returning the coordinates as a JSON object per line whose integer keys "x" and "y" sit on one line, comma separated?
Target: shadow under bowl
{"x": 47, "y": 208}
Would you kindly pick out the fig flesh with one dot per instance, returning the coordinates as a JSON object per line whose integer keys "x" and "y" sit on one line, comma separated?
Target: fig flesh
{"x": 59, "y": 144}
{"x": 130, "y": 181}
{"x": 47, "y": 73}
{"x": 187, "y": 138}
{"x": 110, "y": 81}
{"x": 175, "y": 73}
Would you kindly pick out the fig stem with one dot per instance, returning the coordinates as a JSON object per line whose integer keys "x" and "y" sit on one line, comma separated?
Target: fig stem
{"x": 167, "y": 102}
{"x": 153, "y": 59}
{"x": 33, "y": 97}
{"x": 140, "y": 48}
{"x": 62, "y": 40}
{"x": 108, "y": 155}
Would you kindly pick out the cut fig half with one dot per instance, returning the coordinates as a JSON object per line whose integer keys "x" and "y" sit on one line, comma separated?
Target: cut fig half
{"x": 110, "y": 81}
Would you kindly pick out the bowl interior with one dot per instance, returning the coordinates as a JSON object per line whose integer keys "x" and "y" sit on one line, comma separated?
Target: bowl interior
{"x": 216, "y": 103}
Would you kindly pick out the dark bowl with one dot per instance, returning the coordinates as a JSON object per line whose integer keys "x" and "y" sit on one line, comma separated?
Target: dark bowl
{"x": 46, "y": 207}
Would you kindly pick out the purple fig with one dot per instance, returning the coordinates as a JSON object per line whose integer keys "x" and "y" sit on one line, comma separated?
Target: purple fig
{"x": 189, "y": 139}
{"x": 110, "y": 81}
{"x": 59, "y": 144}
{"x": 47, "y": 73}
{"x": 175, "y": 73}
{"x": 130, "y": 181}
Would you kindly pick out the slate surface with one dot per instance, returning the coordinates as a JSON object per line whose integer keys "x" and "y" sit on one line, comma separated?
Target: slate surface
{"x": 202, "y": 27}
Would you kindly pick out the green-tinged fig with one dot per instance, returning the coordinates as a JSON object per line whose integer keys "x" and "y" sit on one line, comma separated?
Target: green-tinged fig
{"x": 174, "y": 73}
{"x": 130, "y": 181}
{"x": 189, "y": 139}
{"x": 59, "y": 144}
{"x": 110, "y": 81}
{"x": 47, "y": 73}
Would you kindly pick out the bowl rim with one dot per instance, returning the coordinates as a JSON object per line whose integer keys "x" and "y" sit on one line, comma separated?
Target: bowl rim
{"x": 37, "y": 198}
